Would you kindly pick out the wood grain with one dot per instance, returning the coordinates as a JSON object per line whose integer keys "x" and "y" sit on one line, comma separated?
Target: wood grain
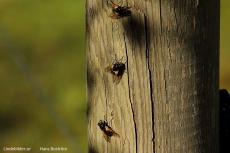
{"x": 168, "y": 99}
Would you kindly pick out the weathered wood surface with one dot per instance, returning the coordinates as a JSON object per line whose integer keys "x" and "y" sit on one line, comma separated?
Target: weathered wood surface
{"x": 168, "y": 99}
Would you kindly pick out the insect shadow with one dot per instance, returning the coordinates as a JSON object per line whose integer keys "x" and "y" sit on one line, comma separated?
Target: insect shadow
{"x": 135, "y": 30}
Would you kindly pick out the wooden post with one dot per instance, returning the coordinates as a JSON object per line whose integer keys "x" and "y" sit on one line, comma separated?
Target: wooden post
{"x": 168, "y": 100}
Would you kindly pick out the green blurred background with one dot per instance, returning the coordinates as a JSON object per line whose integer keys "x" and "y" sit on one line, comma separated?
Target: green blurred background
{"x": 51, "y": 36}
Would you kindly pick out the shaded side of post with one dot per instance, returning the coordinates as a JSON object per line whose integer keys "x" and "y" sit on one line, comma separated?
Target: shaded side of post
{"x": 184, "y": 65}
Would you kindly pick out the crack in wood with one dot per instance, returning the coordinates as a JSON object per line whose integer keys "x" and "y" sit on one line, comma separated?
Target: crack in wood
{"x": 135, "y": 126}
{"x": 150, "y": 79}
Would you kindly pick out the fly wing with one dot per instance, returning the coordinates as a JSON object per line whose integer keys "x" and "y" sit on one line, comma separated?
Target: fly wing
{"x": 115, "y": 16}
{"x": 110, "y": 132}
{"x": 113, "y": 6}
{"x": 107, "y": 138}
{"x": 116, "y": 135}
{"x": 117, "y": 80}
{"x": 108, "y": 69}
{"x": 117, "y": 76}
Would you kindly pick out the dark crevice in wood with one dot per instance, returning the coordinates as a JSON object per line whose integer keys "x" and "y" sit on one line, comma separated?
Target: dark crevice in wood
{"x": 150, "y": 79}
{"x": 135, "y": 126}
{"x": 127, "y": 65}
{"x": 160, "y": 16}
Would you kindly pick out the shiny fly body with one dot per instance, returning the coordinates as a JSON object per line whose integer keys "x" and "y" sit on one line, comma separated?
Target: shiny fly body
{"x": 107, "y": 131}
{"x": 117, "y": 69}
{"x": 118, "y": 11}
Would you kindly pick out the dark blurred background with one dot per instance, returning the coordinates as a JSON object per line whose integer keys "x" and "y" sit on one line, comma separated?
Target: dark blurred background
{"x": 43, "y": 72}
